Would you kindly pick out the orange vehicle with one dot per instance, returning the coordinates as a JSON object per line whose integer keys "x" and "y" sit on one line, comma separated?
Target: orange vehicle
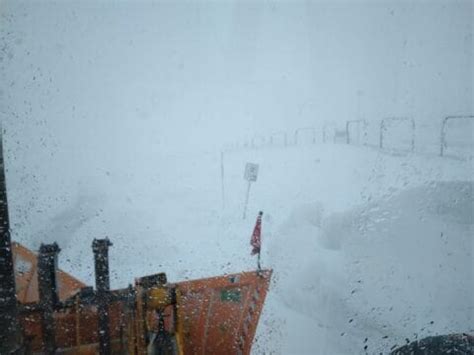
{"x": 217, "y": 315}
{"x": 44, "y": 310}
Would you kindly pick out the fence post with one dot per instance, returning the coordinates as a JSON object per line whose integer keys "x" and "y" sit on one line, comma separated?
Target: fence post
{"x": 382, "y": 128}
{"x": 348, "y": 141}
{"x": 222, "y": 179}
{"x": 443, "y": 137}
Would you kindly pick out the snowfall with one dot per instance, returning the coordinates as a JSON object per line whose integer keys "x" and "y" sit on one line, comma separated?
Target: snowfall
{"x": 370, "y": 248}
{"x": 134, "y": 120}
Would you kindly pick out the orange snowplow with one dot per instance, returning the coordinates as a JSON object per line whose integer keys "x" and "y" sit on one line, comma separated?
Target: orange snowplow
{"x": 44, "y": 310}
{"x": 217, "y": 315}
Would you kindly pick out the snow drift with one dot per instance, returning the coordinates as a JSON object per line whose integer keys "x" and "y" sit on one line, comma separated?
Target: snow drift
{"x": 378, "y": 274}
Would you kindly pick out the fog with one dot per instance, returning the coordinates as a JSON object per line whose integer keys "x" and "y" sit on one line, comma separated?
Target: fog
{"x": 137, "y": 76}
{"x": 102, "y": 85}
{"x": 115, "y": 114}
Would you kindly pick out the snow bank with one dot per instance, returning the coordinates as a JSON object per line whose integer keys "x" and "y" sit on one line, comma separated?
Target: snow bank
{"x": 368, "y": 249}
{"x": 380, "y": 273}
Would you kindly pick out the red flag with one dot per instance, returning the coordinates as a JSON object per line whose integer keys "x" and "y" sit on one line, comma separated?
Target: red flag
{"x": 256, "y": 241}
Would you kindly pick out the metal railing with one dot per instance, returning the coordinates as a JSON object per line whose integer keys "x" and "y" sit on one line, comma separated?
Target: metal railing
{"x": 274, "y": 136}
{"x": 346, "y": 135}
{"x": 383, "y": 128}
{"x": 443, "y": 143}
{"x": 305, "y": 129}
{"x": 358, "y": 123}
{"x": 257, "y": 141}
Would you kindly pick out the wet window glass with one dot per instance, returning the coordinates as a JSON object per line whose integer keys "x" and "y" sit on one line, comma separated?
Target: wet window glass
{"x": 237, "y": 177}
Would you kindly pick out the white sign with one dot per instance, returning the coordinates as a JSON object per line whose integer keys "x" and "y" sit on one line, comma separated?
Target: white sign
{"x": 251, "y": 172}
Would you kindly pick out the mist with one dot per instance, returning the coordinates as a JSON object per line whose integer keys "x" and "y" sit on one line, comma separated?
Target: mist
{"x": 134, "y": 120}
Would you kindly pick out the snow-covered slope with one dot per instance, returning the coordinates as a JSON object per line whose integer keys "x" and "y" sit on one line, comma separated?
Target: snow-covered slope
{"x": 368, "y": 249}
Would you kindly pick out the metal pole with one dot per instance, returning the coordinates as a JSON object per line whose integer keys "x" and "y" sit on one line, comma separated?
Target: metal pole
{"x": 10, "y": 335}
{"x": 359, "y": 111}
{"x": 246, "y": 200}
{"x": 48, "y": 296}
{"x": 382, "y": 128}
{"x": 100, "y": 248}
{"x": 443, "y": 136}
{"x": 348, "y": 139}
{"x": 222, "y": 179}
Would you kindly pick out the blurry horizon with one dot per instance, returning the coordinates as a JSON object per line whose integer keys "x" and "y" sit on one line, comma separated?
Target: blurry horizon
{"x": 99, "y": 93}
{"x": 182, "y": 75}
{"x": 118, "y": 119}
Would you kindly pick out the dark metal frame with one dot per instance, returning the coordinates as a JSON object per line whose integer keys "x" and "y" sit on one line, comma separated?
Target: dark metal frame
{"x": 48, "y": 295}
{"x": 276, "y": 134}
{"x": 358, "y": 122}
{"x": 383, "y": 128}
{"x": 10, "y": 334}
{"x": 100, "y": 247}
{"x": 303, "y": 129}
{"x": 443, "y": 144}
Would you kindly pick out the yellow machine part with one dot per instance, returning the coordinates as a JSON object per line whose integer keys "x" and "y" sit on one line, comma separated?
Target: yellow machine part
{"x": 158, "y": 297}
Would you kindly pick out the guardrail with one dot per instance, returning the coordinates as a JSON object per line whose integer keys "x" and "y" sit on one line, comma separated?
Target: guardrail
{"x": 306, "y": 129}
{"x": 443, "y": 143}
{"x": 383, "y": 128}
{"x": 279, "y": 134}
{"x": 358, "y": 123}
{"x": 345, "y": 135}
{"x": 325, "y": 131}
{"x": 257, "y": 141}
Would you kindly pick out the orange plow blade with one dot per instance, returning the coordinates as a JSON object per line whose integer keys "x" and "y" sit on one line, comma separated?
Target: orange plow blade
{"x": 219, "y": 315}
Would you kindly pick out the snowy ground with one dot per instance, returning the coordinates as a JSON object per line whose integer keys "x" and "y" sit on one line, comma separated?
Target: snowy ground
{"x": 369, "y": 249}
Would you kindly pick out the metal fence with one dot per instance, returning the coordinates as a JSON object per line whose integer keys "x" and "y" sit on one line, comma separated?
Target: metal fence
{"x": 384, "y": 124}
{"x": 444, "y": 131}
{"x": 394, "y": 134}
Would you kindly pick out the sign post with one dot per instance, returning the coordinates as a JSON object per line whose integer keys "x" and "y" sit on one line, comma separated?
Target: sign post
{"x": 251, "y": 173}
{"x": 222, "y": 179}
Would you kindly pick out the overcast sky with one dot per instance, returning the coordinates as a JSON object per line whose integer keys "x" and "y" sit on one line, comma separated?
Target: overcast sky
{"x": 182, "y": 72}
{"x": 96, "y": 85}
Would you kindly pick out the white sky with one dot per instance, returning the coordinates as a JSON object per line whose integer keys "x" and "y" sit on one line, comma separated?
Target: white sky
{"x": 90, "y": 87}
{"x": 185, "y": 72}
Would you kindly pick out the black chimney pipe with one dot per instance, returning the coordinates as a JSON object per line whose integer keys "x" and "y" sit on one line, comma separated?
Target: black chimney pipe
{"x": 48, "y": 293}
{"x": 10, "y": 333}
{"x": 100, "y": 248}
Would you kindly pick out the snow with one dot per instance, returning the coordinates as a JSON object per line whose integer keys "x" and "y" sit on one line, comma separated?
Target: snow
{"x": 374, "y": 250}
{"x": 114, "y": 115}
{"x": 368, "y": 249}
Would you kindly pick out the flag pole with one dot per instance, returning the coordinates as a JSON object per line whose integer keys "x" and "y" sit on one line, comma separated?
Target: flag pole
{"x": 256, "y": 241}
{"x": 246, "y": 200}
